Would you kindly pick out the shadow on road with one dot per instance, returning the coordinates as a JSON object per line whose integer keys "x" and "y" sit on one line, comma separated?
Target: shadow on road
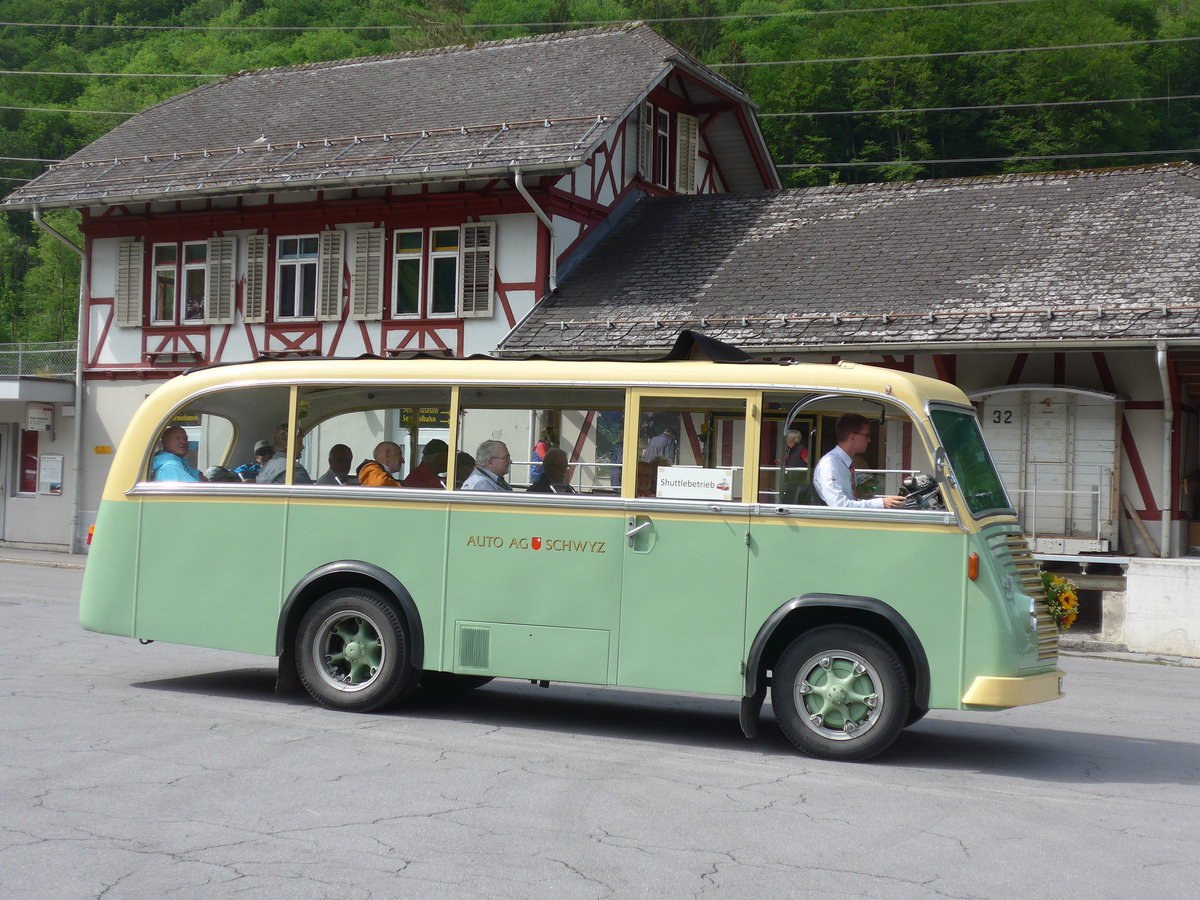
{"x": 943, "y": 740}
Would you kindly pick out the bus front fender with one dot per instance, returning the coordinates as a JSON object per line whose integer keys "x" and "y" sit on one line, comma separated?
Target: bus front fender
{"x": 821, "y": 609}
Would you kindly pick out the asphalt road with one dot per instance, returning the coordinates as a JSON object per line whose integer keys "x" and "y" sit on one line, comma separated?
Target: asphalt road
{"x": 160, "y": 771}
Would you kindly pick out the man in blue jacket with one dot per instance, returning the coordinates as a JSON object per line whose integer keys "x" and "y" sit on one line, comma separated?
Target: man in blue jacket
{"x": 170, "y": 463}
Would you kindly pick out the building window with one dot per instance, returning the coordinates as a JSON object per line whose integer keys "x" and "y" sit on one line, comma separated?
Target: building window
{"x": 296, "y": 277}
{"x": 662, "y": 148}
{"x": 409, "y": 245}
{"x": 167, "y": 301}
{"x": 443, "y": 271}
{"x": 29, "y": 462}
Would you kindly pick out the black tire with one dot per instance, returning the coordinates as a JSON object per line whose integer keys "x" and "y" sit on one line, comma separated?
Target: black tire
{"x": 451, "y": 682}
{"x": 353, "y": 653}
{"x": 915, "y": 715}
{"x": 840, "y": 692}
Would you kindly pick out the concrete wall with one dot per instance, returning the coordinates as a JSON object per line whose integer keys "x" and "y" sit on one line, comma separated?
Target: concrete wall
{"x": 1162, "y": 612}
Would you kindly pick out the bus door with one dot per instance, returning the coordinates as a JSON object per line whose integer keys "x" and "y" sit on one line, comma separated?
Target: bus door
{"x": 533, "y": 572}
{"x": 683, "y": 584}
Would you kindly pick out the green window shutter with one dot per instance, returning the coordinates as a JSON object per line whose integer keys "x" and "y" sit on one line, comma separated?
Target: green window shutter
{"x": 330, "y": 252}
{"x": 688, "y": 128}
{"x": 478, "y": 270}
{"x": 221, "y": 281}
{"x": 131, "y": 259}
{"x": 254, "y": 302}
{"x": 366, "y": 288}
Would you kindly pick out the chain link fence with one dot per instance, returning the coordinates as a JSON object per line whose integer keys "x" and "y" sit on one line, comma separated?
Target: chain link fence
{"x": 51, "y": 359}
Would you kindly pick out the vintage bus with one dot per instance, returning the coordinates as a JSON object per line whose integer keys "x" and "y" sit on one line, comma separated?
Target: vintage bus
{"x": 712, "y": 567}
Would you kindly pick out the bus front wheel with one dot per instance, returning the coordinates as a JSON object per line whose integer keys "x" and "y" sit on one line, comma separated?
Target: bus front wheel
{"x": 352, "y": 652}
{"x": 840, "y": 692}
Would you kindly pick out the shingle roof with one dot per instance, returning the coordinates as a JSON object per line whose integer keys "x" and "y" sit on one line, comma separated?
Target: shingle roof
{"x": 1105, "y": 255}
{"x": 541, "y": 102}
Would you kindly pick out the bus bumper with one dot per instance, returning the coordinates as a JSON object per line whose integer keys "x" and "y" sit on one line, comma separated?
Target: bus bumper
{"x": 988, "y": 690}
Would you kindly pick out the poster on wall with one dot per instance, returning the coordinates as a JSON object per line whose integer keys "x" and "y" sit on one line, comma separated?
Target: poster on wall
{"x": 39, "y": 417}
{"x": 50, "y": 474}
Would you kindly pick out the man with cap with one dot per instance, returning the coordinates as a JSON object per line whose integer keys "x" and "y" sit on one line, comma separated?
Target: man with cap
{"x": 433, "y": 463}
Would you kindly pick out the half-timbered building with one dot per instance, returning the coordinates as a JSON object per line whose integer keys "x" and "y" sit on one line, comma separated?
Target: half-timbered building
{"x": 405, "y": 203}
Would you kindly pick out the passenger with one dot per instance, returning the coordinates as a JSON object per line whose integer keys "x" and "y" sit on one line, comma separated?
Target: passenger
{"x": 616, "y": 456}
{"x": 377, "y": 472}
{"x": 492, "y": 463}
{"x": 544, "y": 442}
{"x": 645, "y": 480}
{"x": 263, "y": 451}
{"x": 554, "y": 476}
{"x": 665, "y": 445}
{"x": 219, "y": 473}
{"x": 834, "y": 475}
{"x": 274, "y": 470}
{"x": 464, "y": 464}
{"x": 428, "y": 474}
{"x": 170, "y": 463}
{"x": 341, "y": 458}
{"x": 795, "y": 455}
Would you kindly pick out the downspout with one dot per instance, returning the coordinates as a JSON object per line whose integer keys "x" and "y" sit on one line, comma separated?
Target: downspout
{"x": 540, "y": 213}
{"x": 77, "y": 463}
{"x": 1164, "y": 541}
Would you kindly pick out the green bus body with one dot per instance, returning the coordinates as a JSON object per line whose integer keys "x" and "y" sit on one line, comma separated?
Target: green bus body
{"x": 702, "y": 597}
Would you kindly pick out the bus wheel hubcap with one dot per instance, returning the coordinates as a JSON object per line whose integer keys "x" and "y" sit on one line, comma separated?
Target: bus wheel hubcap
{"x": 838, "y": 695}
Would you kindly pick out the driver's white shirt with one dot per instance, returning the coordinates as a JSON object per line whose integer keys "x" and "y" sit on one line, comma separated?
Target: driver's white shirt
{"x": 835, "y": 484}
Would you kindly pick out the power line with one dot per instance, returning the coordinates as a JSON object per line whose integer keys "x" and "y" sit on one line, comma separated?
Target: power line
{"x": 480, "y": 25}
{"x": 6, "y": 178}
{"x": 931, "y": 162}
{"x": 90, "y": 112}
{"x": 29, "y": 159}
{"x": 952, "y": 53}
{"x": 115, "y": 74}
{"x": 921, "y": 109}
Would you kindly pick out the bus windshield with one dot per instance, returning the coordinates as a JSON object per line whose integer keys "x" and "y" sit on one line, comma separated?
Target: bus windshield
{"x": 959, "y": 433}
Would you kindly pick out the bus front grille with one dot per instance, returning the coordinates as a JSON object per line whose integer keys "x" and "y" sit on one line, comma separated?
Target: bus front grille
{"x": 1029, "y": 581}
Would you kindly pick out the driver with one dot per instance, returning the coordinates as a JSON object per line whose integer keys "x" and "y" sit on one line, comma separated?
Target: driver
{"x": 834, "y": 475}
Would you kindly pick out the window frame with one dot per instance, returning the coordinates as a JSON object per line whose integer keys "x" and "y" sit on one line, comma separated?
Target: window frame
{"x": 298, "y": 262}
{"x": 181, "y": 271}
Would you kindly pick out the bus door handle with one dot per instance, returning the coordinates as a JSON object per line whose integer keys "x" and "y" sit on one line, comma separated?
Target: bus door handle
{"x": 635, "y": 528}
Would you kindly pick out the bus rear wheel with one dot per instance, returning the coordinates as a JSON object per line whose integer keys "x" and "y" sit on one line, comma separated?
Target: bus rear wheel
{"x": 840, "y": 692}
{"x": 352, "y": 652}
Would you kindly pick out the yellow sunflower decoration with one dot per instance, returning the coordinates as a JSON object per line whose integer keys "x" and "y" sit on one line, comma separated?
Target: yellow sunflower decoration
{"x": 1062, "y": 600}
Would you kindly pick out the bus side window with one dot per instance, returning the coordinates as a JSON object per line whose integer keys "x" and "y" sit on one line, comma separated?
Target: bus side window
{"x": 691, "y": 448}
{"x": 583, "y": 424}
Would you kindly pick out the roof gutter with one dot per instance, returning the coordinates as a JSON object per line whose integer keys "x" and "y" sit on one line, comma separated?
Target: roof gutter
{"x": 77, "y": 463}
{"x": 545, "y": 219}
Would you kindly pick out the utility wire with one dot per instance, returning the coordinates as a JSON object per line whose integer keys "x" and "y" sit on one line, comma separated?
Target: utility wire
{"x": 931, "y": 162}
{"x": 924, "y": 109}
{"x": 953, "y": 53}
{"x": 779, "y": 62}
{"x": 89, "y": 112}
{"x": 800, "y": 13}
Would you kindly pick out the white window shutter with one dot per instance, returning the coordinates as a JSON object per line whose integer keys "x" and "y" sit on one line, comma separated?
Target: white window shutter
{"x": 366, "y": 289}
{"x": 254, "y": 301}
{"x": 478, "y": 269}
{"x": 131, "y": 259}
{"x": 329, "y": 275}
{"x": 221, "y": 281}
{"x": 685, "y": 162}
{"x": 646, "y": 141}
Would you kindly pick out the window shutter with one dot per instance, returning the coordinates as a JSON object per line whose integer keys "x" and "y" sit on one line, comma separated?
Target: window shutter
{"x": 131, "y": 258}
{"x": 478, "y": 269}
{"x": 366, "y": 290}
{"x": 646, "y": 142}
{"x": 329, "y": 288}
{"x": 221, "y": 281}
{"x": 254, "y": 303}
{"x": 685, "y": 162}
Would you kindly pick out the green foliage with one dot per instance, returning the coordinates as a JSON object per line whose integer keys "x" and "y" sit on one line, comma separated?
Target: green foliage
{"x": 38, "y": 276}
